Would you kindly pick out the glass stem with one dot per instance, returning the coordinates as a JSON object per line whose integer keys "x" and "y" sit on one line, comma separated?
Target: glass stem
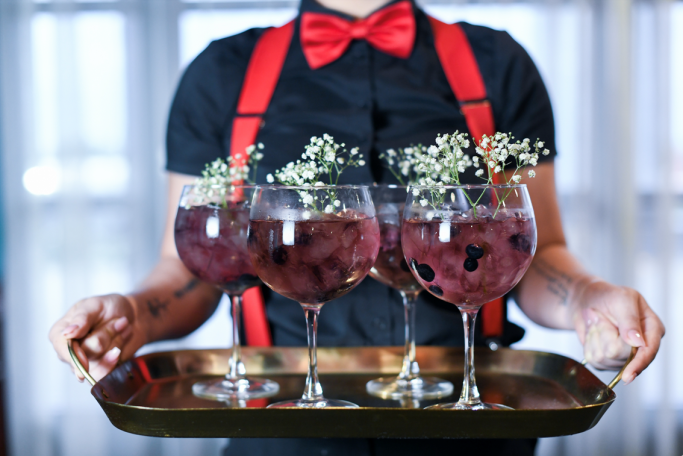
{"x": 470, "y": 392}
{"x": 313, "y": 390}
{"x": 237, "y": 369}
{"x": 410, "y": 369}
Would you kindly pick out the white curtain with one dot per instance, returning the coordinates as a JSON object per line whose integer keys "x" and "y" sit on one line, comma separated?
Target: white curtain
{"x": 85, "y": 88}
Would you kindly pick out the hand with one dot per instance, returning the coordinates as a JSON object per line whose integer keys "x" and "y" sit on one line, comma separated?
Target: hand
{"x": 609, "y": 320}
{"x": 103, "y": 330}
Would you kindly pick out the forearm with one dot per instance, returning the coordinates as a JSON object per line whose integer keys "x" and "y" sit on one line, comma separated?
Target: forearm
{"x": 171, "y": 302}
{"x": 551, "y": 289}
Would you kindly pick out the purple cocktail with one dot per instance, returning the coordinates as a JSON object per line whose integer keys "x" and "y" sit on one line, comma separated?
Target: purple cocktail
{"x": 470, "y": 262}
{"x": 212, "y": 243}
{"x": 211, "y": 238}
{"x": 469, "y": 245}
{"x": 312, "y": 245}
{"x": 392, "y": 269}
{"x": 313, "y": 262}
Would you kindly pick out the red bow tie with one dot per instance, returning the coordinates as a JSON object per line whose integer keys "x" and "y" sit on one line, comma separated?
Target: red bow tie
{"x": 325, "y": 37}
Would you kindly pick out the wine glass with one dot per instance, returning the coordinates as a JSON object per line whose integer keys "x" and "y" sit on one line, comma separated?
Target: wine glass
{"x": 312, "y": 245}
{"x": 469, "y": 245}
{"x": 211, "y": 239}
{"x": 392, "y": 270}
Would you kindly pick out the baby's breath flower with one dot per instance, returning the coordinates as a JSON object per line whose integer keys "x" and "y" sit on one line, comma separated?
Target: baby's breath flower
{"x": 532, "y": 173}
{"x": 516, "y": 178}
{"x": 322, "y": 157}
{"x": 269, "y": 178}
{"x": 479, "y": 173}
{"x": 424, "y": 202}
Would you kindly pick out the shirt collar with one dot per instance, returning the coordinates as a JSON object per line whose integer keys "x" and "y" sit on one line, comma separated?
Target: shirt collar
{"x": 314, "y": 7}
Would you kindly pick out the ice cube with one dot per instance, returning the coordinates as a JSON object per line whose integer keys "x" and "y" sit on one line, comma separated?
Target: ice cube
{"x": 288, "y": 228}
{"x": 445, "y": 232}
{"x": 213, "y": 227}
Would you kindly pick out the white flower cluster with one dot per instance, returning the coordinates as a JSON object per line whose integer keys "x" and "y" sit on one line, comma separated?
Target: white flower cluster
{"x": 444, "y": 162}
{"x": 220, "y": 174}
{"x": 498, "y": 150}
{"x": 323, "y": 157}
{"x": 403, "y": 163}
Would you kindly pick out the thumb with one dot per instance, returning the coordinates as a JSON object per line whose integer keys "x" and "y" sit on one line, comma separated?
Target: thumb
{"x": 624, "y": 311}
{"x": 85, "y": 315}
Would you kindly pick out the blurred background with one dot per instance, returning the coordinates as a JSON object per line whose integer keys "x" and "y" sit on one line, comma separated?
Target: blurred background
{"x": 85, "y": 87}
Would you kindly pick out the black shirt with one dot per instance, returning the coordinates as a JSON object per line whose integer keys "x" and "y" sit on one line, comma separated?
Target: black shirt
{"x": 368, "y": 99}
{"x": 372, "y": 100}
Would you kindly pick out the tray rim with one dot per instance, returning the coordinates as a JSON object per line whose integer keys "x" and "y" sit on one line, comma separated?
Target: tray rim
{"x": 609, "y": 398}
{"x": 368, "y": 422}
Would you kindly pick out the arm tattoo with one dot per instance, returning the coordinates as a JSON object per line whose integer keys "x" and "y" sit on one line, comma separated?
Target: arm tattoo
{"x": 558, "y": 281}
{"x": 155, "y": 306}
{"x": 186, "y": 289}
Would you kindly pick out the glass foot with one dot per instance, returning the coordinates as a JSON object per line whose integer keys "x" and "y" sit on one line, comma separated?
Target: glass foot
{"x": 318, "y": 403}
{"x": 227, "y": 390}
{"x": 464, "y": 406}
{"x": 419, "y": 388}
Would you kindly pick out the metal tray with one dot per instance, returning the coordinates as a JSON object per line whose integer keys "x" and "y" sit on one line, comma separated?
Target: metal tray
{"x": 551, "y": 395}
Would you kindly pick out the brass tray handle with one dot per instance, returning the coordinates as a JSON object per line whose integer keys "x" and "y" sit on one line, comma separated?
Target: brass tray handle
{"x": 89, "y": 377}
{"x": 616, "y": 379}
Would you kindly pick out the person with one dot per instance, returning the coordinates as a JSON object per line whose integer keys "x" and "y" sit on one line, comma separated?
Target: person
{"x": 376, "y": 101}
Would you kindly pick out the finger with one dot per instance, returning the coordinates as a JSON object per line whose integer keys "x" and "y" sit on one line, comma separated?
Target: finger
{"x": 103, "y": 338}
{"x": 105, "y": 364}
{"x": 604, "y": 349}
{"x": 654, "y": 331}
{"x": 82, "y": 318}
{"x": 623, "y": 309}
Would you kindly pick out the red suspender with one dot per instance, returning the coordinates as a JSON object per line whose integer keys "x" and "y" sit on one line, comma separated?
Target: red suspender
{"x": 263, "y": 72}
{"x": 259, "y": 84}
{"x": 464, "y": 77}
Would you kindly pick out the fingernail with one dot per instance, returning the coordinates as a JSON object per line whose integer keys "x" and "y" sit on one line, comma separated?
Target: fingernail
{"x": 70, "y": 329}
{"x": 630, "y": 378}
{"x": 120, "y": 324}
{"x": 635, "y": 337}
{"x": 113, "y": 354}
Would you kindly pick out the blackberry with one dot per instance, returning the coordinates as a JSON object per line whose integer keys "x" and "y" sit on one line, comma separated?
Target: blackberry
{"x": 426, "y": 272}
{"x": 474, "y": 251}
{"x": 436, "y": 290}
{"x": 471, "y": 265}
{"x": 279, "y": 255}
{"x": 521, "y": 242}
